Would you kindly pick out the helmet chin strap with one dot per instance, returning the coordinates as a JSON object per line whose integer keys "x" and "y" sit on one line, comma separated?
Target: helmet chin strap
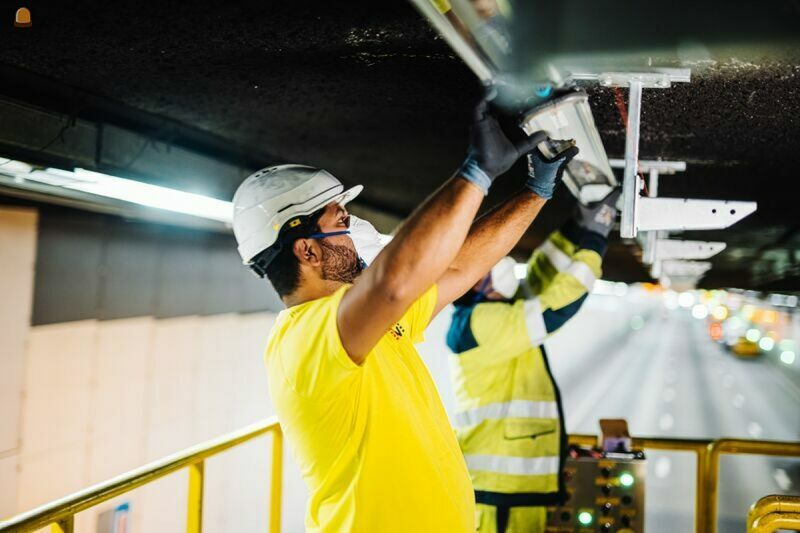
{"x": 328, "y": 234}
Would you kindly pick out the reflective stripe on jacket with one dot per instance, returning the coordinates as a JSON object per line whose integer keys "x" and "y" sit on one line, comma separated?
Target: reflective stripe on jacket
{"x": 509, "y": 420}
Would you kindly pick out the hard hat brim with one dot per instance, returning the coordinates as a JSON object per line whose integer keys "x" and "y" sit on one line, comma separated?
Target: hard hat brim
{"x": 347, "y": 196}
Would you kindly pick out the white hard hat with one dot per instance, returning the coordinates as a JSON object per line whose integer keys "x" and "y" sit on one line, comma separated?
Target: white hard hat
{"x": 273, "y": 196}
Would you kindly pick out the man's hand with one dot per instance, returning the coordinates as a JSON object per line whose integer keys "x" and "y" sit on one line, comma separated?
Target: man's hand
{"x": 545, "y": 173}
{"x": 600, "y": 216}
{"x": 491, "y": 153}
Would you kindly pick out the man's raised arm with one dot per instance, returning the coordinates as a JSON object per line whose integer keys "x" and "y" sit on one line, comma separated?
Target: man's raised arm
{"x": 498, "y": 231}
{"x": 428, "y": 241}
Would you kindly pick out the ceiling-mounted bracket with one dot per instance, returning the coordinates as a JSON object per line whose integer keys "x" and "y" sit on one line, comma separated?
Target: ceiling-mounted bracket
{"x": 692, "y": 214}
{"x": 635, "y": 82}
{"x": 678, "y": 256}
{"x": 654, "y": 169}
{"x": 657, "y": 78}
{"x": 681, "y": 214}
{"x": 652, "y": 213}
{"x": 666, "y": 249}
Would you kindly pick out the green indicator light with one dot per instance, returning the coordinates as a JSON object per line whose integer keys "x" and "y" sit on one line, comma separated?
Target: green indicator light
{"x": 626, "y": 480}
{"x": 585, "y": 518}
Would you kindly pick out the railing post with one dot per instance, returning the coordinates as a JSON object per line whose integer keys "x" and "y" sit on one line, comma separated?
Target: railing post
{"x": 276, "y": 482}
{"x": 65, "y": 525}
{"x": 194, "y": 516}
{"x": 701, "y": 496}
{"x": 712, "y": 469}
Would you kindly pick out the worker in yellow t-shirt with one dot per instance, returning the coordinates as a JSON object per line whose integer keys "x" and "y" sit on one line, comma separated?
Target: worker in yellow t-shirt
{"x": 359, "y": 410}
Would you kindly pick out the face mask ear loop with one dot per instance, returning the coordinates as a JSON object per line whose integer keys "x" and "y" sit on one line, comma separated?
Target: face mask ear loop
{"x": 329, "y": 234}
{"x": 480, "y": 294}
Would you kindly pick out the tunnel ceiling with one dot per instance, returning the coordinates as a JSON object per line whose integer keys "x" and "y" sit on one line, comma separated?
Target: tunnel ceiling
{"x": 370, "y": 93}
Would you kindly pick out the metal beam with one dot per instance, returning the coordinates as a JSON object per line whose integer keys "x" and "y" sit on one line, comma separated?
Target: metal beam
{"x": 657, "y": 78}
{"x": 631, "y": 183}
{"x": 684, "y": 214}
{"x": 648, "y": 165}
{"x": 678, "y": 249}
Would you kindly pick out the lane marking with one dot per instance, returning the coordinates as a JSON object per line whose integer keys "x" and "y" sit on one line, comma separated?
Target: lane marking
{"x": 663, "y": 467}
{"x": 728, "y": 381}
{"x": 738, "y": 401}
{"x": 782, "y": 479}
{"x": 668, "y": 395}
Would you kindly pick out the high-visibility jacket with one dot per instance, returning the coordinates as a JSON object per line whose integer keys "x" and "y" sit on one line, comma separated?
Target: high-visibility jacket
{"x": 508, "y": 418}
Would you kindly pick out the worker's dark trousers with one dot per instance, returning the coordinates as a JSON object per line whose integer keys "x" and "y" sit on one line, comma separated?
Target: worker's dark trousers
{"x": 502, "y": 519}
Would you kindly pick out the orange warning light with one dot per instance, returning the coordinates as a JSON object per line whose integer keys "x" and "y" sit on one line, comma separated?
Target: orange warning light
{"x": 715, "y": 330}
{"x": 22, "y": 18}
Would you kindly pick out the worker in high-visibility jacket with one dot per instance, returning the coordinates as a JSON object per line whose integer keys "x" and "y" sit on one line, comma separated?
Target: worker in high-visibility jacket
{"x": 509, "y": 420}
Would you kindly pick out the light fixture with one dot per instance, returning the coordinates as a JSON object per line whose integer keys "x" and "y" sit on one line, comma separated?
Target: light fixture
{"x": 720, "y": 312}
{"x": 155, "y": 196}
{"x": 686, "y": 299}
{"x": 126, "y": 190}
{"x": 766, "y": 343}
{"x": 626, "y": 479}
{"x": 589, "y": 176}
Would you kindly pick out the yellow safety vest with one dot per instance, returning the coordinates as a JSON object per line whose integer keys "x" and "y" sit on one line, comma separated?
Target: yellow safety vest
{"x": 508, "y": 417}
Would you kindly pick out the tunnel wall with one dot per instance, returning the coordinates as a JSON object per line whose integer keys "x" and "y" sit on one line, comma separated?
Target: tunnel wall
{"x": 17, "y": 250}
{"x": 84, "y": 400}
{"x": 105, "y": 267}
{"x": 104, "y": 397}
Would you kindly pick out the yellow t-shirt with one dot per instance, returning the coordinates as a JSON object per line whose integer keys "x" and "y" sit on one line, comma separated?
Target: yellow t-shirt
{"x": 373, "y": 442}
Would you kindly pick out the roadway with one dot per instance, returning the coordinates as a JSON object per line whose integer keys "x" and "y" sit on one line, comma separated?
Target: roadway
{"x": 659, "y": 369}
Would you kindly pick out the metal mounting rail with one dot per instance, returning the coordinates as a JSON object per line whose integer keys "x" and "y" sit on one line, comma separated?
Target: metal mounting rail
{"x": 60, "y": 514}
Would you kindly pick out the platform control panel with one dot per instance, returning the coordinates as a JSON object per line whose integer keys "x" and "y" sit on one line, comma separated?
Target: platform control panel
{"x": 604, "y": 494}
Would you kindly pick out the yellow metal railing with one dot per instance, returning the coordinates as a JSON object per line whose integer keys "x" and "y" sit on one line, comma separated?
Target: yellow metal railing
{"x": 737, "y": 447}
{"x": 774, "y": 512}
{"x": 708, "y": 454}
{"x": 60, "y": 514}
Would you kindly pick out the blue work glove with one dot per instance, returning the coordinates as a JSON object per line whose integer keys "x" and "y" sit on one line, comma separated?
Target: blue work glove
{"x": 599, "y": 216}
{"x": 491, "y": 153}
{"x": 545, "y": 173}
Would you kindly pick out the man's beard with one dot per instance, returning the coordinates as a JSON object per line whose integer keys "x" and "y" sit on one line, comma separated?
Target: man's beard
{"x": 339, "y": 263}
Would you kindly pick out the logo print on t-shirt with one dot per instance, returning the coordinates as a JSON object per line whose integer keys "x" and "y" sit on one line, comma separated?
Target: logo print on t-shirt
{"x": 397, "y": 331}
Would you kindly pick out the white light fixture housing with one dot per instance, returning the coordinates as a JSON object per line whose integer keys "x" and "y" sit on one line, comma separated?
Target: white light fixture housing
{"x": 589, "y": 176}
{"x": 125, "y": 190}
{"x": 152, "y": 195}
